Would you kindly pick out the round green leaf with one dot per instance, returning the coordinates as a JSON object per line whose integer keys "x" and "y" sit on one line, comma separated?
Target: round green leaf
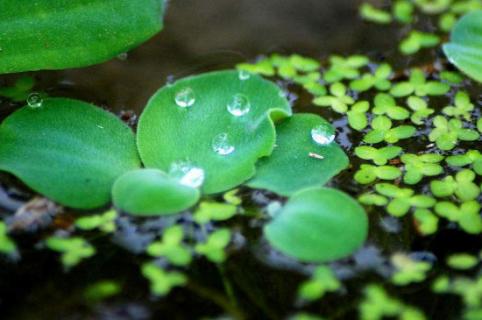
{"x": 199, "y": 128}
{"x": 318, "y": 224}
{"x": 148, "y": 192}
{"x": 465, "y": 47}
{"x": 68, "y": 150}
{"x": 298, "y": 161}
{"x": 60, "y": 34}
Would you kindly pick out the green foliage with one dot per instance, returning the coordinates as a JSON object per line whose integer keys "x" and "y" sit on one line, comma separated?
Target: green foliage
{"x": 462, "y": 106}
{"x": 338, "y": 99}
{"x": 471, "y": 157}
{"x": 466, "y": 215}
{"x": 104, "y": 222}
{"x": 73, "y": 250}
{"x": 379, "y": 79}
{"x": 214, "y": 247}
{"x": 378, "y": 156}
{"x": 446, "y": 133}
{"x": 462, "y": 186}
{"x": 368, "y": 173}
{"x": 386, "y": 104}
{"x": 227, "y": 144}
{"x": 101, "y": 290}
{"x": 20, "y": 90}
{"x": 418, "y": 85}
{"x": 416, "y": 167}
{"x": 465, "y": 46}
{"x": 357, "y": 116}
{"x": 377, "y": 305}
{"x": 407, "y": 270}
{"x": 420, "y": 109}
{"x": 318, "y": 224}
{"x": 147, "y": 192}
{"x": 344, "y": 67}
{"x": 162, "y": 282}
{"x": 65, "y": 34}
{"x": 171, "y": 247}
{"x": 306, "y": 155}
{"x": 373, "y": 14}
{"x": 382, "y": 130}
{"x": 7, "y": 245}
{"x": 322, "y": 281}
{"x": 403, "y": 199}
{"x": 417, "y": 40}
{"x": 462, "y": 261}
{"x": 68, "y": 150}
{"x": 426, "y": 221}
{"x": 214, "y": 211}
{"x": 403, "y": 11}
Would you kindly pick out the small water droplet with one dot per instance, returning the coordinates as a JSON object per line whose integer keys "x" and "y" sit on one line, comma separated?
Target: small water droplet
{"x": 239, "y": 105}
{"x": 323, "y": 134}
{"x": 187, "y": 174}
{"x": 35, "y": 100}
{"x": 122, "y": 56}
{"x": 221, "y": 144}
{"x": 185, "y": 98}
{"x": 244, "y": 75}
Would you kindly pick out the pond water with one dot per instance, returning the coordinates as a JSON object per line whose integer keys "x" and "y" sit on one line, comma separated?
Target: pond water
{"x": 208, "y": 35}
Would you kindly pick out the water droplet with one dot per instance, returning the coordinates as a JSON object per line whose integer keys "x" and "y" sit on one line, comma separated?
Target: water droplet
{"x": 244, "y": 75}
{"x": 35, "y": 100}
{"x": 239, "y": 105}
{"x": 221, "y": 144}
{"x": 122, "y": 56}
{"x": 323, "y": 134}
{"x": 187, "y": 174}
{"x": 185, "y": 98}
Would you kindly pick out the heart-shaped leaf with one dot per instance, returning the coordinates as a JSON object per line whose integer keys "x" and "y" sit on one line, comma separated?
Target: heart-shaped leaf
{"x": 221, "y": 122}
{"x": 45, "y": 34}
{"x": 148, "y": 192}
{"x": 68, "y": 150}
{"x": 318, "y": 224}
{"x": 305, "y": 156}
{"x": 465, "y": 46}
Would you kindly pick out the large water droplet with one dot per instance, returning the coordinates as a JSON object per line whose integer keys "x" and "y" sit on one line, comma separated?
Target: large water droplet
{"x": 187, "y": 174}
{"x": 35, "y": 100}
{"x": 221, "y": 144}
{"x": 323, "y": 134}
{"x": 244, "y": 75}
{"x": 239, "y": 105}
{"x": 123, "y": 56}
{"x": 185, "y": 98}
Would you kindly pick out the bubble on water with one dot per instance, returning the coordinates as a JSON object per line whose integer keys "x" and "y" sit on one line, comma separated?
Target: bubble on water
{"x": 35, "y": 100}
{"x": 221, "y": 144}
{"x": 187, "y": 174}
{"x": 323, "y": 134}
{"x": 239, "y": 105}
{"x": 243, "y": 75}
{"x": 185, "y": 98}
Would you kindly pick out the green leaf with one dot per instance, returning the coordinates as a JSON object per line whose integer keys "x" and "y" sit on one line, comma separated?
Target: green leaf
{"x": 305, "y": 156}
{"x": 162, "y": 282}
{"x": 373, "y": 14}
{"x": 105, "y": 222}
{"x": 189, "y": 121}
{"x": 68, "y": 150}
{"x": 147, "y": 192}
{"x": 210, "y": 210}
{"x": 7, "y": 245}
{"x": 65, "y": 34}
{"x": 465, "y": 47}
{"x": 213, "y": 248}
{"x": 318, "y": 224}
{"x": 462, "y": 261}
{"x": 322, "y": 281}
{"x": 73, "y": 250}
{"x": 171, "y": 247}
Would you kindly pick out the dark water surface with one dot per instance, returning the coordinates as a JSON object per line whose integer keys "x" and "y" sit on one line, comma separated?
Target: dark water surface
{"x": 201, "y": 36}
